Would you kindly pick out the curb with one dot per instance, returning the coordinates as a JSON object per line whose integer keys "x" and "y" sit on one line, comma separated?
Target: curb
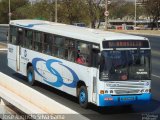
{"x": 3, "y": 49}
{"x": 31, "y": 101}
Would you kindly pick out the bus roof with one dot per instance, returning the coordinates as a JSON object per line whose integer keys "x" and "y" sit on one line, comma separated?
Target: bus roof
{"x": 82, "y": 33}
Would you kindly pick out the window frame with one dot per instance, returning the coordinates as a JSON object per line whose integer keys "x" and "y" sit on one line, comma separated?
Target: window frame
{"x": 69, "y": 48}
{"x": 50, "y": 44}
{"x": 26, "y": 37}
{"x": 38, "y": 42}
{"x": 10, "y": 34}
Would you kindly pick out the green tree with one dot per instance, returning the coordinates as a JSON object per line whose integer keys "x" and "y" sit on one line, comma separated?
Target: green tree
{"x": 95, "y": 11}
{"x": 121, "y": 9}
{"x": 153, "y": 10}
{"x": 4, "y": 10}
{"x": 71, "y": 11}
{"x": 25, "y": 12}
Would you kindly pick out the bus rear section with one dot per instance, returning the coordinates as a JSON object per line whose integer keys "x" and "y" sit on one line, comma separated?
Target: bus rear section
{"x": 124, "y": 73}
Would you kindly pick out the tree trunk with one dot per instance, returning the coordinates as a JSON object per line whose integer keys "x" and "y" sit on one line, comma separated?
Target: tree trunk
{"x": 152, "y": 25}
{"x": 157, "y": 25}
{"x": 99, "y": 22}
{"x": 93, "y": 24}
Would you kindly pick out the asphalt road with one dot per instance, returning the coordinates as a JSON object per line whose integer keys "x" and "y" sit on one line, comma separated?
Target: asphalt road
{"x": 137, "y": 112}
{"x": 3, "y": 34}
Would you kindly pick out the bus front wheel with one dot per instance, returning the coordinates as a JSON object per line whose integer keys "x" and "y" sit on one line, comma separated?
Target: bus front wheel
{"x": 83, "y": 97}
{"x": 30, "y": 76}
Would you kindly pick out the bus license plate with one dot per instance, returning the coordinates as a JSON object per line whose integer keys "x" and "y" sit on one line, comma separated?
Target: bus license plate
{"x": 127, "y": 98}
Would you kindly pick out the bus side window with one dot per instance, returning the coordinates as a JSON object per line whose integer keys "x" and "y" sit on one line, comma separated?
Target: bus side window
{"x": 70, "y": 49}
{"x": 20, "y": 37}
{"x": 71, "y": 55}
{"x": 28, "y": 39}
{"x": 83, "y": 53}
{"x": 38, "y": 42}
{"x": 58, "y": 48}
{"x": 55, "y": 51}
{"x": 47, "y": 44}
{"x": 13, "y": 35}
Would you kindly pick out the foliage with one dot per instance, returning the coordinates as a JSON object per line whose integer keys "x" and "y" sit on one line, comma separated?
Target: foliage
{"x": 153, "y": 10}
{"x": 95, "y": 11}
{"x": 69, "y": 11}
{"x": 4, "y": 9}
{"x": 121, "y": 9}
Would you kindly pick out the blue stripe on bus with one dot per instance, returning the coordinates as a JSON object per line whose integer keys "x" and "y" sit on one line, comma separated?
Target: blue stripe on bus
{"x": 29, "y": 25}
{"x": 109, "y": 100}
{"x": 54, "y": 72}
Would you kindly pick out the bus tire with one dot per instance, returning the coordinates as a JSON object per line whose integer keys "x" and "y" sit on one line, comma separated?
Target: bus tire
{"x": 30, "y": 76}
{"x": 83, "y": 97}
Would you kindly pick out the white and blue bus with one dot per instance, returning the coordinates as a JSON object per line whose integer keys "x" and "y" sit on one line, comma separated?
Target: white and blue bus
{"x": 99, "y": 67}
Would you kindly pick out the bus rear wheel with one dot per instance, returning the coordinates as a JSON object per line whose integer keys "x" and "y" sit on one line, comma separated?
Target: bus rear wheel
{"x": 30, "y": 76}
{"x": 83, "y": 97}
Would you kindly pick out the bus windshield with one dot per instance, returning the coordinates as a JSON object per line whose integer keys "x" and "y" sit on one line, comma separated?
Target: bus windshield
{"x": 125, "y": 65}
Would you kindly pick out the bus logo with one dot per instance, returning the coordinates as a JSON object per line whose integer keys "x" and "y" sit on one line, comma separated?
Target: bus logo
{"x": 25, "y": 53}
{"x": 59, "y": 82}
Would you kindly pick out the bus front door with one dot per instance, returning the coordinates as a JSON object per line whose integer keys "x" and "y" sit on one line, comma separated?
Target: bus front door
{"x": 19, "y": 41}
{"x": 95, "y": 64}
{"x": 94, "y": 92}
{"x": 18, "y": 58}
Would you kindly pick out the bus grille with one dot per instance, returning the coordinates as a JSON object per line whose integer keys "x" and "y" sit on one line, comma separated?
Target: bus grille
{"x": 127, "y": 87}
{"x": 121, "y": 92}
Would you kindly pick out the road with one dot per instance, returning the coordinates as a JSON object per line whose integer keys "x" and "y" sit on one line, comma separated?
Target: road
{"x": 3, "y": 33}
{"x": 137, "y": 112}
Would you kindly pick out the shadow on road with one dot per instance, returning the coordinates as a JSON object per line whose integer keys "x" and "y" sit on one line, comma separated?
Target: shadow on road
{"x": 137, "y": 108}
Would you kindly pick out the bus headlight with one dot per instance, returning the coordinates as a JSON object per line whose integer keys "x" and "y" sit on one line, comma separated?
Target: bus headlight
{"x": 146, "y": 83}
{"x": 106, "y": 91}
{"x": 111, "y": 91}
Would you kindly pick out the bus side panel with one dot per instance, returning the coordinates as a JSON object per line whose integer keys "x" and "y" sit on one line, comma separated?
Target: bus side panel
{"x": 72, "y": 73}
{"x": 58, "y": 73}
{"x": 12, "y": 56}
{"x": 51, "y": 72}
{"x": 25, "y": 58}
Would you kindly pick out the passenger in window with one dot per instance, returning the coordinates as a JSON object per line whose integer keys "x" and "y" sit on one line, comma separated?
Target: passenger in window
{"x": 80, "y": 58}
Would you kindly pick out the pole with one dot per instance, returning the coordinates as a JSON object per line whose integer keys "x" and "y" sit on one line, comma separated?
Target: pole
{"x": 135, "y": 12}
{"x": 9, "y": 9}
{"x": 106, "y": 17}
{"x": 56, "y": 11}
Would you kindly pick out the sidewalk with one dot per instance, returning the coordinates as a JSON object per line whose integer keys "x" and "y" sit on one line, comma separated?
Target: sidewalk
{"x": 139, "y": 32}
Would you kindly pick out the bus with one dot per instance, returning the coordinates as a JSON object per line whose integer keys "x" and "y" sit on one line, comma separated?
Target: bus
{"x": 99, "y": 67}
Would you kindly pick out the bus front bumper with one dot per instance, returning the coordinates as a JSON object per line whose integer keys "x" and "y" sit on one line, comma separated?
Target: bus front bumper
{"x": 110, "y": 100}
